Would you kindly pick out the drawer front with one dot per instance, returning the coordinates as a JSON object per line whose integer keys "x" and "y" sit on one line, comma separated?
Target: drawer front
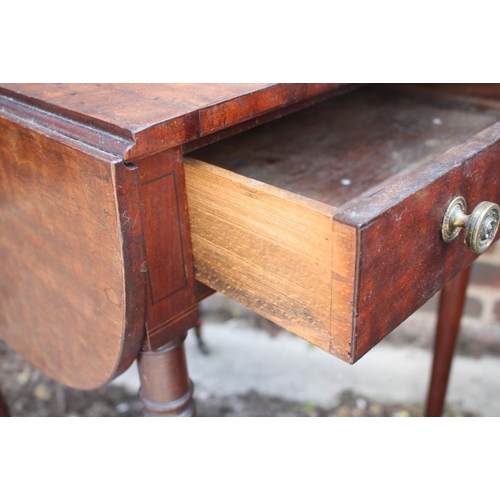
{"x": 403, "y": 260}
{"x": 341, "y": 279}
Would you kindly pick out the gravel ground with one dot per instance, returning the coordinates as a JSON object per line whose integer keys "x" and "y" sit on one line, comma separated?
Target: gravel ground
{"x": 30, "y": 393}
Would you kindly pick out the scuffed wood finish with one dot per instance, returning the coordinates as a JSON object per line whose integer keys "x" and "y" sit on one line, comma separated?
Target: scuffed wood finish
{"x": 267, "y": 248}
{"x": 171, "y": 304}
{"x": 326, "y": 222}
{"x": 338, "y": 150}
{"x": 341, "y": 263}
{"x": 403, "y": 259}
{"x": 97, "y": 250}
{"x": 270, "y": 116}
{"x": 451, "y": 306}
{"x": 136, "y": 120}
{"x": 94, "y": 227}
{"x": 71, "y": 255}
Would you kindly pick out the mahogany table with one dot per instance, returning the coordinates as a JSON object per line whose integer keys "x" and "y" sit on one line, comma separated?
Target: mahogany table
{"x": 331, "y": 209}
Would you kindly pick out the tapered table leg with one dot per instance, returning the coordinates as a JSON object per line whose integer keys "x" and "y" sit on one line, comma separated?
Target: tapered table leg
{"x": 451, "y": 306}
{"x": 4, "y": 411}
{"x": 166, "y": 390}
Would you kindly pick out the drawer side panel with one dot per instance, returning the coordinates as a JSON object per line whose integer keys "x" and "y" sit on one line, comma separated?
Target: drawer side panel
{"x": 266, "y": 248}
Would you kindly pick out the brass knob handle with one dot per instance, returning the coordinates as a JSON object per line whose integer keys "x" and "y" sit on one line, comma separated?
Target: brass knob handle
{"x": 480, "y": 226}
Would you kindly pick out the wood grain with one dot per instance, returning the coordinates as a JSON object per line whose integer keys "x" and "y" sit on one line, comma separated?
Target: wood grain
{"x": 403, "y": 259}
{"x": 451, "y": 305}
{"x": 98, "y": 250}
{"x": 268, "y": 249}
{"x": 171, "y": 304}
{"x": 166, "y": 390}
{"x": 340, "y": 149}
{"x": 137, "y": 120}
{"x": 372, "y": 253}
{"x": 325, "y": 222}
{"x": 275, "y": 114}
{"x": 344, "y": 306}
{"x": 71, "y": 280}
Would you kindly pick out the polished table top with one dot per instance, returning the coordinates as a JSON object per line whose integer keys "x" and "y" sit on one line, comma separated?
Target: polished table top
{"x": 143, "y": 119}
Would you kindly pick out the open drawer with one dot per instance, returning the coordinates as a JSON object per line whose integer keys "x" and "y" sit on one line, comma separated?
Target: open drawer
{"x": 328, "y": 222}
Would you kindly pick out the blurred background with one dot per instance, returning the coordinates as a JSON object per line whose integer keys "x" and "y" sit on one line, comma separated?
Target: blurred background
{"x": 251, "y": 367}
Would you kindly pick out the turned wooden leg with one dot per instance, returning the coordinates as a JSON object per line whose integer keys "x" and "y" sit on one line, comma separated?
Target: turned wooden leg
{"x": 451, "y": 305}
{"x": 166, "y": 390}
{"x": 4, "y": 411}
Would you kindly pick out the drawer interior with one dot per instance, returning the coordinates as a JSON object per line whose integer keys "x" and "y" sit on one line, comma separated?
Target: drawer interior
{"x": 341, "y": 149}
{"x": 327, "y": 221}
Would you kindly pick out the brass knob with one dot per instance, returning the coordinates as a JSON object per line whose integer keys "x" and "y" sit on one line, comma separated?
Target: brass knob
{"x": 480, "y": 226}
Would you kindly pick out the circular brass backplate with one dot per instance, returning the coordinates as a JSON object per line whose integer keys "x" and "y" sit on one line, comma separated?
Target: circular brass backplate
{"x": 448, "y": 230}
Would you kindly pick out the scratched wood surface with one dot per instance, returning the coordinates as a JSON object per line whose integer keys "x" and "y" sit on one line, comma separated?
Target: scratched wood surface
{"x": 97, "y": 252}
{"x": 403, "y": 260}
{"x": 71, "y": 254}
{"x": 81, "y": 321}
{"x": 136, "y": 120}
{"x": 337, "y": 150}
{"x": 316, "y": 248}
{"x": 373, "y": 253}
